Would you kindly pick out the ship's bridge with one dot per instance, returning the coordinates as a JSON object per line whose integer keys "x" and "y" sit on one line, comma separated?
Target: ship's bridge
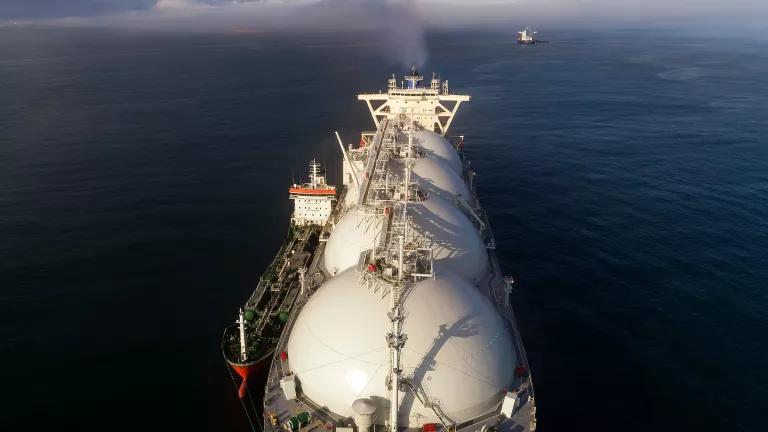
{"x": 432, "y": 107}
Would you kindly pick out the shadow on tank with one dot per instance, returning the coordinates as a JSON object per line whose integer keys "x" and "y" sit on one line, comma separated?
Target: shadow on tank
{"x": 462, "y": 328}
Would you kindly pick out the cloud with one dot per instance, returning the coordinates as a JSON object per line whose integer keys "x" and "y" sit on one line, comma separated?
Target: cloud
{"x": 398, "y": 23}
{"x": 403, "y": 21}
{"x": 176, "y": 4}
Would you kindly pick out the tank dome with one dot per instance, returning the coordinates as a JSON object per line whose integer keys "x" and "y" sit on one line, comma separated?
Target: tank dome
{"x": 350, "y": 198}
{"x": 437, "y": 148}
{"x": 458, "y": 348}
{"x": 353, "y": 234}
{"x": 435, "y": 178}
{"x": 456, "y": 244}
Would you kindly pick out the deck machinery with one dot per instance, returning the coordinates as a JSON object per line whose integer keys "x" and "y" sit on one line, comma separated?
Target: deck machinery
{"x": 406, "y": 322}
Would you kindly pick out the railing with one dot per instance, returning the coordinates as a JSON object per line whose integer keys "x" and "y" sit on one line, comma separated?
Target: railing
{"x": 298, "y": 236}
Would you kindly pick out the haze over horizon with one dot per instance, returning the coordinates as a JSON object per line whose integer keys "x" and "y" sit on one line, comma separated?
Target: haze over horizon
{"x": 207, "y": 15}
{"x": 399, "y": 24}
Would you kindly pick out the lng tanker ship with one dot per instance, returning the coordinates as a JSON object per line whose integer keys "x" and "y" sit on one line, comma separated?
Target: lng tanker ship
{"x": 386, "y": 308}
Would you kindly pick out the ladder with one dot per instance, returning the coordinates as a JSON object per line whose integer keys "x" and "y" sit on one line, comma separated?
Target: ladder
{"x": 432, "y": 404}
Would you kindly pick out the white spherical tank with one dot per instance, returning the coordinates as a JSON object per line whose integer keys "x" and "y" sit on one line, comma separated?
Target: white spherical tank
{"x": 435, "y": 178}
{"x": 456, "y": 243}
{"x": 458, "y": 349}
{"x": 353, "y": 234}
{"x": 350, "y": 198}
{"x": 437, "y": 148}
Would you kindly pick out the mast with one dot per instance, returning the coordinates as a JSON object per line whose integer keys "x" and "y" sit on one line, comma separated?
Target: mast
{"x": 408, "y": 166}
{"x": 396, "y": 340}
{"x": 314, "y": 170}
{"x": 241, "y": 323}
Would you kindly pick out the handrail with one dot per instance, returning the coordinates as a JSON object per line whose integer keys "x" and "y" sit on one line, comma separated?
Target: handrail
{"x": 431, "y": 403}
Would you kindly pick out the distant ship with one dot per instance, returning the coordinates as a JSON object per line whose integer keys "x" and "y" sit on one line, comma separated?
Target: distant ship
{"x": 528, "y": 37}
{"x": 386, "y": 309}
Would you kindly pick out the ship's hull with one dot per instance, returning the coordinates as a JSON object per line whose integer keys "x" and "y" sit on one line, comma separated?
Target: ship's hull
{"x": 314, "y": 339}
{"x": 268, "y": 308}
{"x": 277, "y": 406}
{"x": 248, "y": 369}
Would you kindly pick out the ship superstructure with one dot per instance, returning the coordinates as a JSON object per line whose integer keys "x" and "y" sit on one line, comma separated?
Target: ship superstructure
{"x": 433, "y": 107}
{"x": 313, "y": 201}
{"x": 405, "y": 322}
{"x": 526, "y": 37}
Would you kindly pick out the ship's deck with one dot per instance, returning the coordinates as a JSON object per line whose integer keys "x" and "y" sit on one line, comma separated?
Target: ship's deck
{"x": 278, "y": 409}
{"x": 275, "y": 403}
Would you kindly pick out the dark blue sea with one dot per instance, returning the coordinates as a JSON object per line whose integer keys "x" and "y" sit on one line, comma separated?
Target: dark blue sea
{"x": 143, "y": 189}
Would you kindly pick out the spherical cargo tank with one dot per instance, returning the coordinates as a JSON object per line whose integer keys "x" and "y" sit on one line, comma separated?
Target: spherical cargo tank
{"x": 458, "y": 349}
{"x": 439, "y": 171}
{"x": 350, "y": 198}
{"x": 436, "y": 147}
{"x": 435, "y": 178}
{"x": 456, "y": 243}
{"x": 353, "y": 234}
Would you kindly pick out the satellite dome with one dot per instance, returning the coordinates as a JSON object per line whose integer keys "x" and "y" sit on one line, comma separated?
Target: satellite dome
{"x": 456, "y": 242}
{"x": 458, "y": 349}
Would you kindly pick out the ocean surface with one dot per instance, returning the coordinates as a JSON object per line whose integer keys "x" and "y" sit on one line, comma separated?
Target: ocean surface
{"x": 143, "y": 189}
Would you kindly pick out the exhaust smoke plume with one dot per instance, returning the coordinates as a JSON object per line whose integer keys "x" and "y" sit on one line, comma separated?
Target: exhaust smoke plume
{"x": 396, "y": 23}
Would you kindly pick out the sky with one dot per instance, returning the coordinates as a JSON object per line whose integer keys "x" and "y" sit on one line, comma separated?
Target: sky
{"x": 445, "y": 12}
{"x": 400, "y": 23}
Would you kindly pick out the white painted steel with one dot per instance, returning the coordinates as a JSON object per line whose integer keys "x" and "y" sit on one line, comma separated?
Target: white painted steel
{"x": 288, "y": 385}
{"x": 241, "y": 324}
{"x": 353, "y": 234}
{"x": 433, "y": 107}
{"x": 365, "y": 414}
{"x": 351, "y": 173}
{"x": 509, "y": 404}
{"x": 435, "y": 178}
{"x": 458, "y": 349}
{"x": 437, "y": 148}
{"x": 456, "y": 243}
{"x": 311, "y": 209}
